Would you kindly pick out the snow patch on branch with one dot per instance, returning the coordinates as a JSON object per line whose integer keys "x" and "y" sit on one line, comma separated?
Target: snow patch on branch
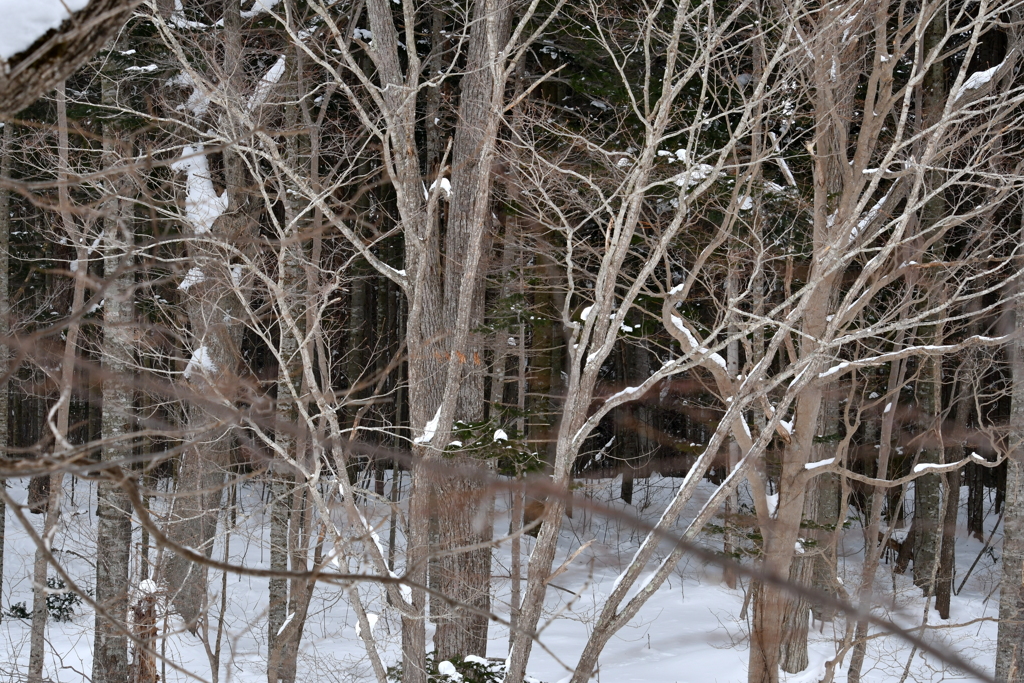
{"x": 625, "y": 392}
{"x": 201, "y": 361}
{"x": 429, "y": 429}
{"x": 978, "y": 80}
{"x": 702, "y": 350}
{"x": 267, "y": 83}
{"x": 259, "y": 7}
{"x": 202, "y": 204}
{"x": 820, "y": 463}
{"x": 833, "y": 370}
{"x": 869, "y": 216}
{"x": 193, "y": 277}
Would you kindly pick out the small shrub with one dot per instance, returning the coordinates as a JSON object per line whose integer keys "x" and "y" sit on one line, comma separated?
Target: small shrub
{"x": 18, "y": 611}
{"x": 61, "y": 606}
{"x": 473, "y": 671}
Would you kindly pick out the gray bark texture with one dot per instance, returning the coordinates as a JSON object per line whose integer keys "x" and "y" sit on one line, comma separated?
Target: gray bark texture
{"x": 114, "y": 532}
{"x": 1010, "y": 638}
{"x": 816, "y": 565}
{"x": 927, "y": 489}
{"x": 5, "y": 319}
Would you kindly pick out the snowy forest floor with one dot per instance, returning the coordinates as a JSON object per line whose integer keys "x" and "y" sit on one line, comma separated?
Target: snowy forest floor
{"x": 690, "y": 632}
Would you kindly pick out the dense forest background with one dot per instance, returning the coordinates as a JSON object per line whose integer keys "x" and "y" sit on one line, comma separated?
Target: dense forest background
{"x": 390, "y": 284}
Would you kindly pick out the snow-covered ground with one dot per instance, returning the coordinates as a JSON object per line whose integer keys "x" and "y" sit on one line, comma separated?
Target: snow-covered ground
{"x": 690, "y": 632}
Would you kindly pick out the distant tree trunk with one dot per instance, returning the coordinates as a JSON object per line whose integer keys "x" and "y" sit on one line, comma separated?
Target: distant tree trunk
{"x": 114, "y": 532}
{"x": 1010, "y": 638}
{"x": 213, "y": 311}
{"x": 815, "y": 564}
{"x": 951, "y": 484}
{"x": 927, "y": 489}
{"x": 872, "y": 549}
{"x": 927, "y": 524}
{"x": 59, "y": 430}
{"x": 5, "y": 320}
{"x": 975, "y": 480}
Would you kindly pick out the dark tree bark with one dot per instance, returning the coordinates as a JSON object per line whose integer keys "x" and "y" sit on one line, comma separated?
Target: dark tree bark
{"x": 928, "y": 511}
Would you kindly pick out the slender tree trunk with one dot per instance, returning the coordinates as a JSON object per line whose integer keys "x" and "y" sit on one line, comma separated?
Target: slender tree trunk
{"x": 114, "y": 532}
{"x": 37, "y": 643}
{"x": 872, "y": 548}
{"x": 927, "y": 488}
{"x": 951, "y": 483}
{"x": 6, "y": 152}
{"x": 1010, "y": 638}
{"x": 814, "y": 564}
{"x": 287, "y": 428}
{"x": 280, "y": 507}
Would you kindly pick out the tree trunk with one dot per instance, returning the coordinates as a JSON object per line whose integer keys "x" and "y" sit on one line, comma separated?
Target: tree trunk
{"x": 213, "y": 311}
{"x": 59, "y": 429}
{"x": 927, "y": 488}
{"x": 113, "y": 511}
{"x": 872, "y": 548}
{"x": 951, "y": 483}
{"x": 280, "y": 507}
{"x": 927, "y": 492}
{"x": 815, "y": 564}
{"x": 1010, "y": 638}
{"x": 465, "y": 575}
{"x": 975, "y": 480}
{"x": 5, "y": 320}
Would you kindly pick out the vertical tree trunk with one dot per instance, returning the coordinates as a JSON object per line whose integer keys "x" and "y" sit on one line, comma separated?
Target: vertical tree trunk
{"x": 465, "y": 576}
{"x": 114, "y": 532}
{"x": 280, "y": 507}
{"x": 951, "y": 483}
{"x": 59, "y": 428}
{"x": 975, "y": 479}
{"x": 1010, "y": 638}
{"x": 927, "y": 490}
{"x": 213, "y": 309}
{"x": 732, "y": 359}
{"x": 814, "y": 565}
{"x": 872, "y": 549}
{"x": 5, "y": 319}
{"x": 287, "y": 428}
